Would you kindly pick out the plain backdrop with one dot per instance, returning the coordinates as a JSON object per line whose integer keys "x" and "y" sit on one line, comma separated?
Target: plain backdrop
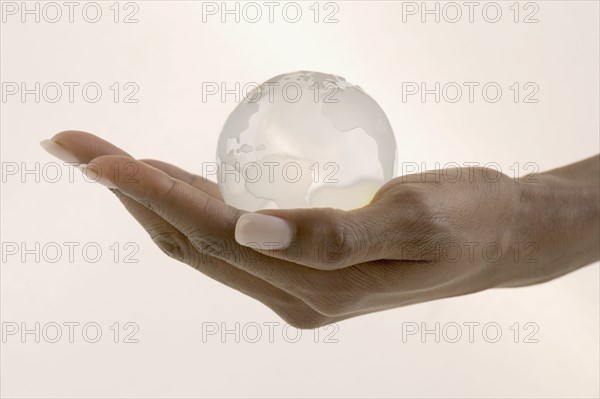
{"x": 166, "y": 58}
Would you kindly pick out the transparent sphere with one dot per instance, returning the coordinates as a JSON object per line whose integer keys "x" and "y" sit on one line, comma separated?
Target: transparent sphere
{"x": 303, "y": 140}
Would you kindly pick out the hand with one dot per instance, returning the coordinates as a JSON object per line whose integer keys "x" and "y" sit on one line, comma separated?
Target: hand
{"x": 416, "y": 241}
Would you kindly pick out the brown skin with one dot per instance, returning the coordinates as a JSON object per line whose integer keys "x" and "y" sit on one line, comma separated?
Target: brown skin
{"x": 416, "y": 241}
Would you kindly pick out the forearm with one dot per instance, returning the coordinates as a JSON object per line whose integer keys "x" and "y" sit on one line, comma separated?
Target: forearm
{"x": 560, "y": 215}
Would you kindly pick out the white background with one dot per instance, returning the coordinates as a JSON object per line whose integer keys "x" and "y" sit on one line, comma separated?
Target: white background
{"x": 169, "y": 53}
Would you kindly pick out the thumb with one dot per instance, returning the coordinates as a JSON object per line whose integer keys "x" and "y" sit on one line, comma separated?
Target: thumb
{"x": 321, "y": 238}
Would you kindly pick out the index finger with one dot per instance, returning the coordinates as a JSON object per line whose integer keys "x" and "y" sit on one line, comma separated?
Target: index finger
{"x": 83, "y": 146}
{"x": 208, "y": 222}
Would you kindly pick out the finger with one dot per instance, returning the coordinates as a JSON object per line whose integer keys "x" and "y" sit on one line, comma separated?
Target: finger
{"x": 208, "y": 223}
{"x": 322, "y": 238}
{"x": 197, "y": 181}
{"x": 176, "y": 245}
{"x": 80, "y": 147}
{"x": 184, "y": 206}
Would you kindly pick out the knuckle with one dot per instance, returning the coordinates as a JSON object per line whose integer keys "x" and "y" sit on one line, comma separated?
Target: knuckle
{"x": 220, "y": 245}
{"x": 170, "y": 191}
{"x": 166, "y": 197}
{"x": 336, "y": 247}
{"x": 213, "y": 246}
{"x": 208, "y": 245}
{"x": 171, "y": 244}
{"x": 423, "y": 225}
{"x": 414, "y": 201}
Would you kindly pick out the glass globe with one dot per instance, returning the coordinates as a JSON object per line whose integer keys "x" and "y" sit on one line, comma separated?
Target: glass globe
{"x": 305, "y": 139}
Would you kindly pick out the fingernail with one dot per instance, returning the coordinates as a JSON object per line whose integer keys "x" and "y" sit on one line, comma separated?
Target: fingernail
{"x": 95, "y": 175}
{"x": 268, "y": 232}
{"x": 60, "y": 152}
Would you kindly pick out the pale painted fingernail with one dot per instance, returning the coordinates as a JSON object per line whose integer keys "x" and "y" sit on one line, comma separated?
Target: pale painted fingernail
{"x": 95, "y": 175}
{"x": 60, "y": 152}
{"x": 264, "y": 231}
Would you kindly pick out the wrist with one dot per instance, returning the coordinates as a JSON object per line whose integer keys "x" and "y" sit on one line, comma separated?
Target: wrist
{"x": 558, "y": 219}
